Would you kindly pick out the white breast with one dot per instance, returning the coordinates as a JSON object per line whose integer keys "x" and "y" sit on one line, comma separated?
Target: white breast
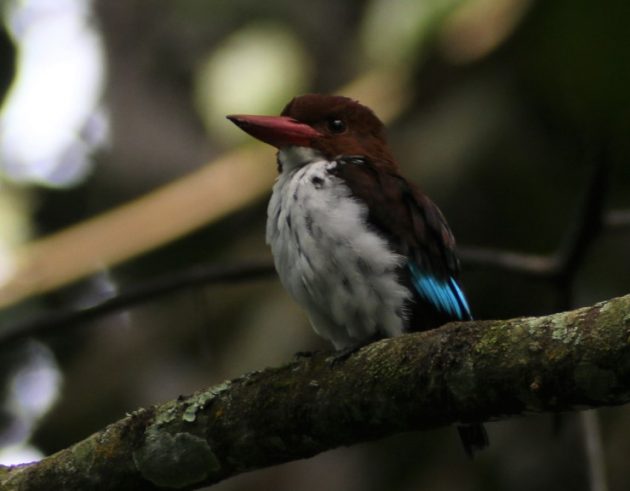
{"x": 340, "y": 271}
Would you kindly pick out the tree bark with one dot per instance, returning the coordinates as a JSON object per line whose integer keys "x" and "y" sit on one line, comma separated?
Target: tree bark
{"x": 461, "y": 372}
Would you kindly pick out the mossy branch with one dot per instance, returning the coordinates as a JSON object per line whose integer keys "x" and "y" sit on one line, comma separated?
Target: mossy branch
{"x": 472, "y": 371}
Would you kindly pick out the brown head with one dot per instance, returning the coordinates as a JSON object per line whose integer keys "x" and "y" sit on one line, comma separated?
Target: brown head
{"x": 333, "y": 125}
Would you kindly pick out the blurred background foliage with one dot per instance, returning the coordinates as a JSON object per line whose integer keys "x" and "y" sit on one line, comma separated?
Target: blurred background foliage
{"x": 501, "y": 108}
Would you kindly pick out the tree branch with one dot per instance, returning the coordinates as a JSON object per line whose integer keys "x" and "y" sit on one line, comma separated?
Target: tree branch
{"x": 472, "y": 371}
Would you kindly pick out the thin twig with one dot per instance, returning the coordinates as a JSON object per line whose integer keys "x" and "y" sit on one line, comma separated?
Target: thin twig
{"x": 594, "y": 450}
{"x": 587, "y": 226}
{"x": 204, "y": 274}
{"x": 531, "y": 265}
{"x": 618, "y": 220}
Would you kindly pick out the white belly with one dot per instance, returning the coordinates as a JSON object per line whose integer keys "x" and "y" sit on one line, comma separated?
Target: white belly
{"x": 333, "y": 265}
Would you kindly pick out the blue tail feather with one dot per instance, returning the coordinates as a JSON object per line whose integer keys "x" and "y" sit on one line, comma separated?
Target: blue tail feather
{"x": 445, "y": 295}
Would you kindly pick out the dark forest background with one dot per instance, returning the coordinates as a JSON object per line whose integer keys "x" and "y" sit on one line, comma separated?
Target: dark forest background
{"x": 508, "y": 114}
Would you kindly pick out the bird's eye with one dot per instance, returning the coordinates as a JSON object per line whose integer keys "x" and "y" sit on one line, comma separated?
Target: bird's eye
{"x": 336, "y": 125}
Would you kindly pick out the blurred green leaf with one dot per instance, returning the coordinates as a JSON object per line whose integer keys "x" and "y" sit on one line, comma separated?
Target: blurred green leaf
{"x": 253, "y": 71}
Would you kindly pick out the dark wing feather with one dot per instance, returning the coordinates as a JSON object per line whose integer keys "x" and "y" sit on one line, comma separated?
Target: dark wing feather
{"x": 416, "y": 229}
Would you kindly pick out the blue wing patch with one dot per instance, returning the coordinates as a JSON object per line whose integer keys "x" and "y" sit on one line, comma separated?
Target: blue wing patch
{"x": 445, "y": 295}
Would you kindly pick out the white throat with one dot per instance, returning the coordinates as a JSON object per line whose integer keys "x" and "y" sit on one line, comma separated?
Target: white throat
{"x": 291, "y": 158}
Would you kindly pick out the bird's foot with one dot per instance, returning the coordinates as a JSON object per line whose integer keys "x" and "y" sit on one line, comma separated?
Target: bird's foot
{"x": 342, "y": 355}
{"x": 303, "y": 354}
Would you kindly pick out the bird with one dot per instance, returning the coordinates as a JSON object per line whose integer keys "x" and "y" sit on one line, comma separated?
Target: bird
{"x": 364, "y": 252}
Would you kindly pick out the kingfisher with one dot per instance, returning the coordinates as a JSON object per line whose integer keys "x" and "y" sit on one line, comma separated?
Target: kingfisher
{"x": 360, "y": 248}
